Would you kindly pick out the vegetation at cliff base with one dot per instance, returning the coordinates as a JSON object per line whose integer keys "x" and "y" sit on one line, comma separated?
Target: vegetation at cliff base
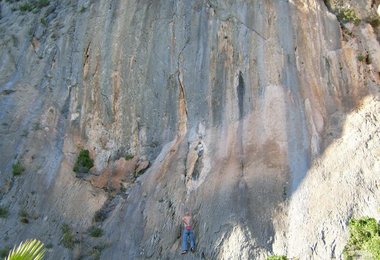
{"x": 84, "y": 163}
{"x": 364, "y": 236}
{"x": 277, "y": 257}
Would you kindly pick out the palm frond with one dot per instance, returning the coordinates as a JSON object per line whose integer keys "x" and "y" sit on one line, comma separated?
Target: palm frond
{"x": 28, "y": 250}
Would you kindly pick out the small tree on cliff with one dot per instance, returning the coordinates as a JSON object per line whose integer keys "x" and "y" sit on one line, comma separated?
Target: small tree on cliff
{"x": 84, "y": 163}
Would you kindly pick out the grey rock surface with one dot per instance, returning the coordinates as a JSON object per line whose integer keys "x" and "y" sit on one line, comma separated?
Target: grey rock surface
{"x": 261, "y": 117}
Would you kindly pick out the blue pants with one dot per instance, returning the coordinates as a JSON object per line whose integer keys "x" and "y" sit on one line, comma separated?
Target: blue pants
{"x": 187, "y": 233}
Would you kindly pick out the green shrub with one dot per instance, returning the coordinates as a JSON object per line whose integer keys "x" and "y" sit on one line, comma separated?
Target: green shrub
{"x": 41, "y": 3}
{"x": 24, "y": 216}
{"x": 84, "y": 163}
{"x": 26, "y": 7}
{"x": 374, "y": 21}
{"x": 68, "y": 237}
{"x": 43, "y": 22}
{"x": 128, "y": 157}
{"x": 82, "y": 9}
{"x": 3, "y": 212}
{"x": 277, "y": 257}
{"x": 346, "y": 15}
{"x": 95, "y": 232}
{"x": 364, "y": 235}
{"x": 361, "y": 57}
{"x": 17, "y": 169}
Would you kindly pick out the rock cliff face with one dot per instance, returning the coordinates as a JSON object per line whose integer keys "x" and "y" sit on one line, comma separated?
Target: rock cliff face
{"x": 261, "y": 117}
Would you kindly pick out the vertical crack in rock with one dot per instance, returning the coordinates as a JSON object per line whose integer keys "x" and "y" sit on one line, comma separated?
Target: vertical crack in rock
{"x": 182, "y": 107}
{"x": 240, "y": 89}
{"x": 240, "y": 94}
{"x": 86, "y": 61}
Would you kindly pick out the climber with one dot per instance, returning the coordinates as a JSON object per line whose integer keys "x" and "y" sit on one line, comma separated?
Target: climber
{"x": 187, "y": 232}
{"x": 199, "y": 148}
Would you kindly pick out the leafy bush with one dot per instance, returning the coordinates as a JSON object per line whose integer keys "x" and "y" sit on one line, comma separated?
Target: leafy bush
{"x": 68, "y": 237}
{"x": 361, "y": 57}
{"x": 128, "y": 157}
{"x": 3, "y": 212}
{"x": 346, "y": 15}
{"x": 364, "y": 235}
{"x": 96, "y": 232}
{"x": 277, "y": 257}
{"x": 26, "y": 7}
{"x": 24, "y": 216}
{"x": 17, "y": 168}
{"x": 84, "y": 163}
{"x": 374, "y": 21}
{"x": 42, "y": 3}
{"x": 43, "y": 22}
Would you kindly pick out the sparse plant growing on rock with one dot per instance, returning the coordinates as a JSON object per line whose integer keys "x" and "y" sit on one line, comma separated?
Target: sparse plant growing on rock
{"x": 24, "y": 216}
{"x": 361, "y": 57}
{"x": 346, "y": 15}
{"x": 84, "y": 163}
{"x": 374, "y": 21}
{"x": 42, "y": 3}
{"x": 34, "y": 5}
{"x": 95, "y": 232}
{"x": 277, "y": 257}
{"x": 68, "y": 237}
{"x": 3, "y": 212}
{"x": 100, "y": 216}
{"x": 43, "y": 22}
{"x": 82, "y": 9}
{"x": 26, "y": 7}
{"x": 128, "y": 157}
{"x": 17, "y": 169}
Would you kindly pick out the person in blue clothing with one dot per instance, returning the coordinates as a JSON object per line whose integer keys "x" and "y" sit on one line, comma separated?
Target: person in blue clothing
{"x": 187, "y": 233}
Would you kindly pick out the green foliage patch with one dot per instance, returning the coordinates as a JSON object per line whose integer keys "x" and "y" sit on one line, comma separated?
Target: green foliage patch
{"x": 33, "y": 5}
{"x": 84, "y": 163}
{"x": 346, "y": 15}
{"x": 95, "y": 232}
{"x": 3, "y": 212}
{"x": 128, "y": 156}
{"x": 374, "y": 21}
{"x": 68, "y": 237}
{"x": 24, "y": 216}
{"x": 277, "y": 257}
{"x": 364, "y": 236}
{"x": 17, "y": 169}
